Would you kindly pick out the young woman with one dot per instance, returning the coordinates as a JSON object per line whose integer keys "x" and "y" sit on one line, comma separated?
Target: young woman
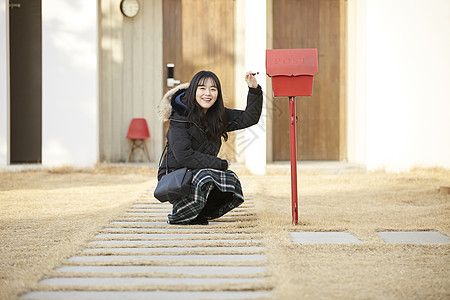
{"x": 198, "y": 123}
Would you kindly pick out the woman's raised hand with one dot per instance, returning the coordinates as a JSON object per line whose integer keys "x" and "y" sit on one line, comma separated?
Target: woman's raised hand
{"x": 251, "y": 80}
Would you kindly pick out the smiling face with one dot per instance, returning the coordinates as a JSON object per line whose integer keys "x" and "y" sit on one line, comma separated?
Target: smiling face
{"x": 206, "y": 94}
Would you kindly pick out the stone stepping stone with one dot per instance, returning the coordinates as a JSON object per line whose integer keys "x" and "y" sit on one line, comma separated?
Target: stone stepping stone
{"x": 155, "y": 219}
{"x": 164, "y": 219}
{"x": 145, "y": 295}
{"x": 413, "y": 237}
{"x": 171, "y": 242}
{"x": 155, "y": 209}
{"x": 170, "y": 235}
{"x": 145, "y": 214}
{"x": 323, "y": 238}
{"x": 161, "y": 209}
{"x": 169, "y": 270}
{"x": 157, "y": 224}
{"x": 175, "y": 249}
{"x": 169, "y": 207}
{"x": 130, "y": 281}
{"x": 150, "y": 205}
{"x": 165, "y": 258}
{"x": 162, "y": 230}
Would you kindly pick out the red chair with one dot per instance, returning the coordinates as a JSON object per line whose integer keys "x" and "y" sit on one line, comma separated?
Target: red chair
{"x": 137, "y": 133}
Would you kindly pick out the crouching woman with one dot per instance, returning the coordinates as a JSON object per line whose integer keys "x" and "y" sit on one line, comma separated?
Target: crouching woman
{"x": 198, "y": 123}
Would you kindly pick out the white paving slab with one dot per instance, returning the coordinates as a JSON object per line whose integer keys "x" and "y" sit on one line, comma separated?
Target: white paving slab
{"x": 166, "y": 236}
{"x": 323, "y": 238}
{"x": 158, "y": 230}
{"x": 229, "y": 218}
{"x": 138, "y": 295}
{"x": 160, "y": 281}
{"x": 152, "y": 224}
{"x": 171, "y": 242}
{"x": 143, "y": 219}
{"x": 413, "y": 237}
{"x": 181, "y": 270}
{"x": 175, "y": 249}
{"x": 154, "y": 203}
{"x": 146, "y": 214}
{"x": 246, "y": 204}
{"x": 158, "y": 224}
{"x": 166, "y": 258}
{"x": 148, "y": 209}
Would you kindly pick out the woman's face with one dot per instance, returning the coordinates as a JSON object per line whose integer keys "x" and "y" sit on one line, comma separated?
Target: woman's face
{"x": 206, "y": 94}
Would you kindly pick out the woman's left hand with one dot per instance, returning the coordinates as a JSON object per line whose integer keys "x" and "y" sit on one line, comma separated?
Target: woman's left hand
{"x": 251, "y": 80}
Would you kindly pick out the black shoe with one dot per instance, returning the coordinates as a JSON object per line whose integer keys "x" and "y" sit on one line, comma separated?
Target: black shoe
{"x": 199, "y": 220}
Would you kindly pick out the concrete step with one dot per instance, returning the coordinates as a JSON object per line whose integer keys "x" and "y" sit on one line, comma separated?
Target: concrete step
{"x": 145, "y": 295}
{"x": 167, "y": 270}
{"x": 133, "y": 281}
{"x": 170, "y": 236}
{"x": 175, "y": 242}
{"x": 170, "y": 258}
{"x": 163, "y": 250}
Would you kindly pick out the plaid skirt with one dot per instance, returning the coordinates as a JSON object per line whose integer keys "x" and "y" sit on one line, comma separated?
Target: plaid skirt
{"x": 213, "y": 194}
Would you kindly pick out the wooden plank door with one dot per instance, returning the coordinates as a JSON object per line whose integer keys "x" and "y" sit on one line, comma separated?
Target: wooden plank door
{"x": 199, "y": 35}
{"x": 25, "y": 44}
{"x": 313, "y": 24}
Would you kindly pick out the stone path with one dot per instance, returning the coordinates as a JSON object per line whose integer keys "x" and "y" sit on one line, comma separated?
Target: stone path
{"x": 140, "y": 256}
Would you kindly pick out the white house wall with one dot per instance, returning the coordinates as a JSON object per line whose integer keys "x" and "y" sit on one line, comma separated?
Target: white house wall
{"x": 69, "y": 82}
{"x": 398, "y": 82}
{"x": 69, "y": 79}
{"x": 403, "y": 69}
{"x": 131, "y": 78}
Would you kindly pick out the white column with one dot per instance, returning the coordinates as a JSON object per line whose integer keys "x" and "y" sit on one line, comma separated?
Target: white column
{"x": 356, "y": 83}
{"x": 240, "y": 90}
{"x": 255, "y": 40}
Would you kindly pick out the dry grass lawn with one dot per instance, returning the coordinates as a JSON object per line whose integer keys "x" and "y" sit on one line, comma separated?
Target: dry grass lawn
{"x": 47, "y": 216}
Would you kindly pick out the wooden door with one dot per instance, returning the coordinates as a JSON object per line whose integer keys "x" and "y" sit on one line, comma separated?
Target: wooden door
{"x": 199, "y": 35}
{"x": 313, "y": 24}
{"x": 25, "y": 45}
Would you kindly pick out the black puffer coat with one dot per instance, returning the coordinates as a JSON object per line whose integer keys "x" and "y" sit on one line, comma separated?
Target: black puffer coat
{"x": 188, "y": 145}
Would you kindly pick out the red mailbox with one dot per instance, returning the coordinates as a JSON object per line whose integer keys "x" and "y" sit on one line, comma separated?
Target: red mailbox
{"x": 292, "y": 72}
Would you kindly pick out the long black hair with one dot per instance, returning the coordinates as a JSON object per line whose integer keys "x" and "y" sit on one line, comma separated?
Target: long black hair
{"x": 213, "y": 122}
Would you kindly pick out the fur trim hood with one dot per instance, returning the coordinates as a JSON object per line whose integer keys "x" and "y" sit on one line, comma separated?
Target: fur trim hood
{"x": 165, "y": 106}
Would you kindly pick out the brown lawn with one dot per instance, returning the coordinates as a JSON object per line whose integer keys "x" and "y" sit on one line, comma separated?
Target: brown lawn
{"x": 47, "y": 216}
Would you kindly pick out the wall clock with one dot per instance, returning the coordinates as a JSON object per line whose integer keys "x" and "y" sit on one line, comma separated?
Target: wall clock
{"x": 129, "y": 8}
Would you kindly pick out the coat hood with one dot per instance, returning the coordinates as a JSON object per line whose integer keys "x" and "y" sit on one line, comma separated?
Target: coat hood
{"x": 165, "y": 106}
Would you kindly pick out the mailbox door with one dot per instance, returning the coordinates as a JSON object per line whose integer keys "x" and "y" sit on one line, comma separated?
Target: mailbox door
{"x": 292, "y": 85}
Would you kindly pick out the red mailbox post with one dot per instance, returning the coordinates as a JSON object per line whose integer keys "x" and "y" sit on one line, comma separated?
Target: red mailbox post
{"x": 292, "y": 72}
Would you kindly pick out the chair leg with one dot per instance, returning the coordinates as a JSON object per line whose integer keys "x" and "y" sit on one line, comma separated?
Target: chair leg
{"x": 131, "y": 151}
{"x": 146, "y": 150}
